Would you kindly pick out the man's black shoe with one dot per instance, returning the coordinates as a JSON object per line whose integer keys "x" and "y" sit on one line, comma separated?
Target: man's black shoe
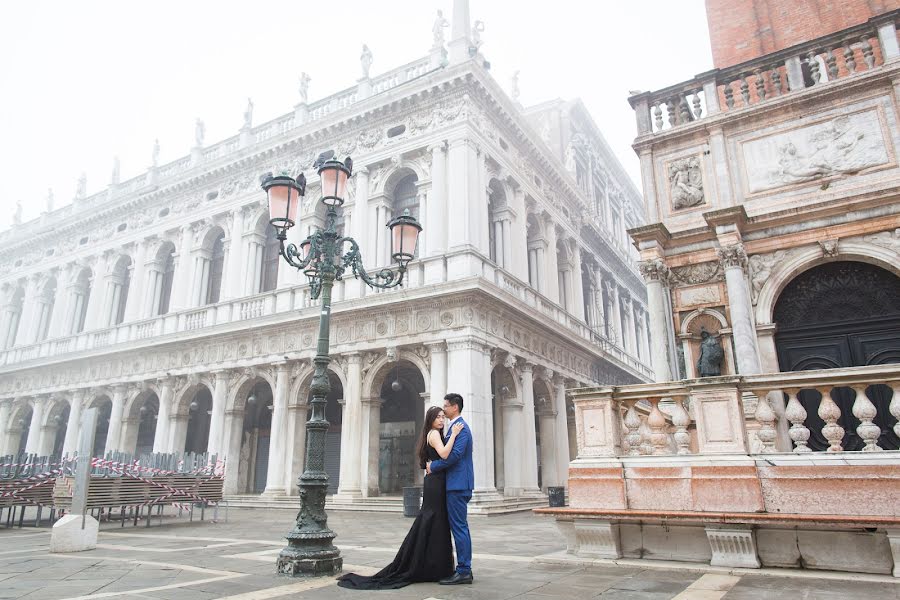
{"x": 457, "y": 579}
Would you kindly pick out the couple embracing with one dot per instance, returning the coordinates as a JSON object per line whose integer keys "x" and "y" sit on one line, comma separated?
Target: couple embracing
{"x": 444, "y": 451}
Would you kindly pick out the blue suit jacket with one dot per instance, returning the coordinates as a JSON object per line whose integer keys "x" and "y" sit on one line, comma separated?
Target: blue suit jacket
{"x": 460, "y": 472}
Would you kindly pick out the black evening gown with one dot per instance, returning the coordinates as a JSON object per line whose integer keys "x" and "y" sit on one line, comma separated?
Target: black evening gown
{"x": 426, "y": 554}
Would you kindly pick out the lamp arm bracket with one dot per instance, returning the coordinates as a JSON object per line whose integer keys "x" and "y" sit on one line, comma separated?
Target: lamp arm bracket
{"x": 352, "y": 259}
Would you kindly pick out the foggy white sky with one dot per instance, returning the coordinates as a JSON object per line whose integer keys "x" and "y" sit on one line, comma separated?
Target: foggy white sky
{"x": 84, "y": 81}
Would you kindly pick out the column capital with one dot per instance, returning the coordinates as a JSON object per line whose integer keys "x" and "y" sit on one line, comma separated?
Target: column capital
{"x": 732, "y": 256}
{"x": 655, "y": 270}
{"x": 526, "y": 366}
{"x": 436, "y": 346}
{"x": 353, "y": 358}
{"x": 437, "y": 147}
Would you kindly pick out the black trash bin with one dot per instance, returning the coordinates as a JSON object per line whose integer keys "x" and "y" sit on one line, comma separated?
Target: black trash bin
{"x": 412, "y": 497}
{"x": 557, "y": 496}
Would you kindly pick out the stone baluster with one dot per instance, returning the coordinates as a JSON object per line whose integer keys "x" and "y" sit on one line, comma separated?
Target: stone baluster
{"x": 813, "y": 67}
{"x": 670, "y": 111}
{"x": 698, "y": 111}
{"x": 646, "y": 437}
{"x": 865, "y": 411}
{"x": 868, "y": 53}
{"x": 729, "y": 95}
{"x": 849, "y": 60}
{"x": 681, "y": 420}
{"x": 765, "y": 416}
{"x": 894, "y": 407}
{"x": 745, "y": 90}
{"x": 831, "y": 62}
{"x": 777, "y": 84}
{"x": 830, "y": 413}
{"x": 633, "y": 425}
{"x": 796, "y": 414}
{"x": 760, "y": 84}
{"x": 684, "y": 111}
{"x": 657, "y": 423}
{"x": 657, "y": 117}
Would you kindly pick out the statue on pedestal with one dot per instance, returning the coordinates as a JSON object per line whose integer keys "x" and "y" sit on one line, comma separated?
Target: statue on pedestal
{"x": 199, "y": 133}
{"x": 156, "y": 153}
{"x": 709, "y": 363}
{"x": 365, "y": 60}
{"x": 50, "y": 201}
{"x": 81, "y": 189}
{"x": 304, "y": 87}
{"x": 514, "y": 86}
{"x": 17, "y": 214}
{"x": 248, "y": 114}
{"x": 440, "y": 23}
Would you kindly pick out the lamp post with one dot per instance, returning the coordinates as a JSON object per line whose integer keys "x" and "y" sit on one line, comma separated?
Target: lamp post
{"x": 322, "y": 259}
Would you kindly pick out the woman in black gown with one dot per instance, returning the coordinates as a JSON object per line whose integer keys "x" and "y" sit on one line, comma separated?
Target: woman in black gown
{"x": 426, "y": 554}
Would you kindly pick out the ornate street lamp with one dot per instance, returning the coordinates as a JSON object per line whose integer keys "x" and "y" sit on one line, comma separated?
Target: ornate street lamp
{"x": 323, "y": 259}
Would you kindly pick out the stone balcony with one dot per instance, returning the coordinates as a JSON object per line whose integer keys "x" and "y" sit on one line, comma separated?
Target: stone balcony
{"x": 809, "y": 126}
{"x": 426, "y": 278}
{"x": 720, "y": 470}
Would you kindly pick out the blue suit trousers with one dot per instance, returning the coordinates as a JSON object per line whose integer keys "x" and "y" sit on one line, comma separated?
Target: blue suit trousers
{"x": 457, "y": 507}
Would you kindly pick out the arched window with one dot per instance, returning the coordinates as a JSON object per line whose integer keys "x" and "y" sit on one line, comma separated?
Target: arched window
{"x": 216, "y": 266}
{"x": 46, "y": 302}
{"x": 12, "y": 316}
{"x": 270, "y": 260}
{"x": 404, "y": 198}
{"x": 498, "y": 228}
{"x": 81, "y": 292}
{"x": 119, "y": 283}
{"x": 535, "y": 252}
{"x": 167, "y": 262}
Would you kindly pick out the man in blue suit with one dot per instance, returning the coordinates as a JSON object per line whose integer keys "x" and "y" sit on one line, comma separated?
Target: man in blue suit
{"x": 460, "y": 483}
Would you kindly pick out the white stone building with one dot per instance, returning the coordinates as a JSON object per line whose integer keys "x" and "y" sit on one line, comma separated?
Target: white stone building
{"x": 162, "y": 300}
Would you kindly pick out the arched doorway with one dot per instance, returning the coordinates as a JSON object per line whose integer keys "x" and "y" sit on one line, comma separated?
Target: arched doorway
{"x": 255, "y": 436}
{"x": 837, "y": 315}
{"x": 334, "y": 413}
{"x": 104, "y": 409}
{"x": 18, "y": 429}
{"x": 199, "y": 418}
{"x": 402, "y": 415}
{"x": 55, "y": 429}
{"x": 141, "y": 422}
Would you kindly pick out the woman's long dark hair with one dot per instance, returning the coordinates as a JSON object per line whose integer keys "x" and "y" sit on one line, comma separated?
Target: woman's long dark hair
{"x": 422, "y": 446}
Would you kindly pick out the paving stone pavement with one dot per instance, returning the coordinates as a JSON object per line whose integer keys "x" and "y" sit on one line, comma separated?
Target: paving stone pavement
{"x": 234, "y": 560}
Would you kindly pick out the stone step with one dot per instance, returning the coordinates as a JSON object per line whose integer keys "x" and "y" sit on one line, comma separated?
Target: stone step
{"x": 387, "y": 504}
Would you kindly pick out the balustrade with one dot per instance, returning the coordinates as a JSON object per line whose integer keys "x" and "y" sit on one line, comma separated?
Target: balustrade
{"x": 836, "y": 56}
{"x": 697, "y": 417}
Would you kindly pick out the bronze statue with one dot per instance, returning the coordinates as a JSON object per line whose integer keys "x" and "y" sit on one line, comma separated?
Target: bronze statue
{"x": 709, "y": 364}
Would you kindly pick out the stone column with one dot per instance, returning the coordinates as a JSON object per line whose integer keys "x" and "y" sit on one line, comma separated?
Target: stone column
{"x": 438, "y": 389}
{"x": 436, "y": 241}
{"x": 529, "y": 431}
{"x": 734, "y": 261}
{"x": 5, "y": 411}
{"x": 161, "y": 437}
{"x": 513, "y": 436}
{"x": 32, "y": 443}
{"x": 97, "y": 297}
{"x": 60, "y": 305}
{"x": 27, "y": 331}
{"x": 577, "y": 285}
{"x": 470, "y": 363}
{"x": 656, "y": 274}
{"x": 349, "y": 485}
{"x": 73, "y": 427}
{"x": 181, "y": 280}
{"x": 461, "y": 169}
{"x": 217, "y": 420}
{"x": 562, "y": 432}
{"x": 233, "y": 283}
{"x": 628, "y": 325}
{"x": 277, "y": 451}
{"x": 138, "y": 275}
{"x": 113, "y": 434}
{"x": 296, "y": 444}
{"x": 615, "y": 318}
{"x": 231, "y": 446}
{"x": 549, "y": 453}
{"x": 550, "y": 266}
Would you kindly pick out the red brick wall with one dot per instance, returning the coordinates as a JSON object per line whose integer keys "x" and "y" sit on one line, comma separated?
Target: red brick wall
{"x": 741, "y": 30}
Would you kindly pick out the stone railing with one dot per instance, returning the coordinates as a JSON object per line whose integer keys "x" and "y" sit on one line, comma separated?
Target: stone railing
{"x": 297, "y": 297}
{"x": 815, "y": 63}
{"x": 740, "y": 415}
